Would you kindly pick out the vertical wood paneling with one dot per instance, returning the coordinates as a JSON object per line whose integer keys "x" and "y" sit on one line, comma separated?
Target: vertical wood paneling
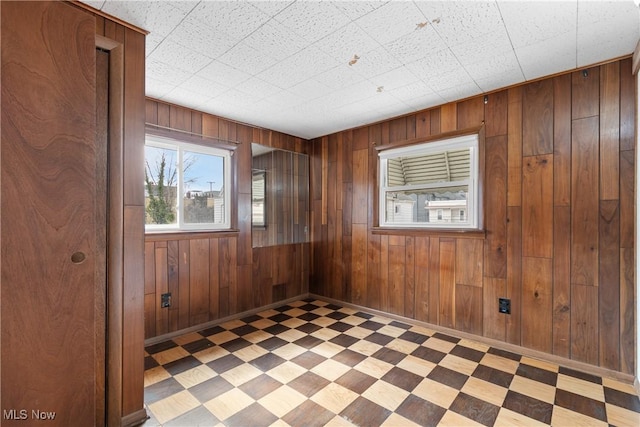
{"x": 537, "y": 206}
{"x": 585, "y": 91}
{"x": 495, "y": 194}
{"x": 422, "y": 278}
{"x": 448, "y": 118}
{"x": 514, "y": 149}
{"x": 173, "y": 280}
{"x": 360, "y": 186}
{"x": 397, "y": 276}
{"x": 434, "y": 280}
{"x": 180, "y": 118}
{"x": 609, "y": 284}
{"x": 562, "y": 282}
{"x": 584, "y": 324}
{"x": 493, "y": 322}
{"x": 496, "y": 109}
{"x": 423, "y": 124}
{"x": 468, "y": 309}
{"x": 627, "y": 201}
{"x": 537, "y": 297}
{"x": 627, "y": 309}
{"x": 410, "y": 278}
{"x": 383, "y": 282}
{"x": 184, "y": 276}
{"x": 359, "y": 264}
{"x": 562, "y": 140}
{"x": 199, "y": 281}
{"x": 162, "y": 286}
{"x": 537, "y": 118}
{"x": 609, "y": 130}
{"x": 214, "y": 279}
{"x": 447, "y": 275}
{"x": 373, "y": 272}
{"x": 627, "y": 106}
{"x": 470, "y": 113}
{"x": 469, "y": 261}
{"x": 584, "y": 202}
{"x": 514, "y": 274}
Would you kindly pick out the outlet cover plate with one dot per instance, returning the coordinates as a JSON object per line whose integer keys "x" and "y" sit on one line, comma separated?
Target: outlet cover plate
{"x": 504, "y": 305}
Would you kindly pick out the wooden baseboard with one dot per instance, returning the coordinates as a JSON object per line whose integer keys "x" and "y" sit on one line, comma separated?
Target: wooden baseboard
{"x": 534, "y": 354}
{"x": 135, "y": 419}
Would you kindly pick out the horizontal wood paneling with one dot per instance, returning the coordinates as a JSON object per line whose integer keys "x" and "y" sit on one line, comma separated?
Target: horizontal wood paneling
{"x": 559, "y": 173}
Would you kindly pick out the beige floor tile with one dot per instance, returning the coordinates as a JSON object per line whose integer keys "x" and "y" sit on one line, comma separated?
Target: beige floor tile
{"x": 396, "y": 420}
{"x": 289, "y": 351}
{"x": 435, "y": 392}
{"x": 374, "y": 367}
{"x": 353, "y": 320}
{"x": 402, "y": 346}
{"x": 338, "y": 421}
{"x": 250, "y": 352}
{"x": 257, "y": 336}
{"x": 286, "y": 372}
{"x": 279, "y": 423}
{"x": 565, "y": 417}
{"x": 170, "y": 355}
{"x": 209, "y": 354}
{"x": 330, "y": 369}
{"x": 618, "y": 385}
{"x": 422, "y": 330}
{"x": 282, "y": 400}
{"x": 416, "y": 365}
{"x": 241, "y": 374}
{"x": 268, "y": 313}
{"x": 358, "y": 332}
{"x": 381, "y": 319}
{"x": 622, "y": 417}
{"x": 334, "y": 397}
{"x": 292, "y": 335}
{"x": 438, "y": 344}
{"x": 293, "y": 323}
{"x": 392, "y": 331}
{"x": 327, "y": 349}
{"x": 452, "y": 419}
{"x": 508, "y": 418}
{"x": 534, "y": 389}
{"x": 347, "y": 310}
{"x": 294, "y": 312}
{"x": 173, "y": 406}
{"x": 322, "y": 311}
{"x": 581, "y": 387}
{"x": 228, "y": 403}
{"x": 501, "y": 363}
{"x": 222, "y": 337}
{"x": 298, "y": 303}
{"x": 484, "y": 390}
{"x": 187, "y": 338}
{"x": 195, "y": 376}
{"x": 474, "y": 345}
{"x": 323, "y": 321}
{"x": 155, "y": 375}
{"x": 540, "y": 364}
{"x": 386, "y": 395}
{"x": 319, "y": 303}
{"x": 458, "y": 364}
{"x": 232, "y": 324}
{"x": 365, "y": 347}
{"x": 325, "y": 334}
{"x": 262, "y": 323}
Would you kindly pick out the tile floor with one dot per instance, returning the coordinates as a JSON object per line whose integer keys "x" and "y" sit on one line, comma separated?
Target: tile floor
{"x": 311, "y": 363}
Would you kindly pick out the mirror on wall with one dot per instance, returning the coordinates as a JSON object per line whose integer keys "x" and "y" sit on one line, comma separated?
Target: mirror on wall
{"x": 280, "y": 197}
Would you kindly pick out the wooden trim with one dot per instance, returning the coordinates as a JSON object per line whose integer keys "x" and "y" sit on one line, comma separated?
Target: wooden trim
{"x": 636, "y": 59}
{"x": 98, "y": 12}
{"x": 571, "y": 364}
{"x": 134, "y": 419}
{"x": 431, "y": 232}
{"x": 189, "y": 235}
{"x": 432, "y": 138}
{"x": 190, "y": 137}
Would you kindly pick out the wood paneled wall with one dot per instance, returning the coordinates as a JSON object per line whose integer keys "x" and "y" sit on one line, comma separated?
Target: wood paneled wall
{"x": 214, "y": 275}
{"x": 558, "y": 220}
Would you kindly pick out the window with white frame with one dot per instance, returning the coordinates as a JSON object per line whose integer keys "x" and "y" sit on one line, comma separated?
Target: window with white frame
{"x": 437, "y": 181}
{"x": 186, "y": 186}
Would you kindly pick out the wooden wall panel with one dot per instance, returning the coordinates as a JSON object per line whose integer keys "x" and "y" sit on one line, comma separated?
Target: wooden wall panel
{"x": 468, "y": 309}
{"x": 495, "y": 198}
{"x": 493, "y": 322}
{"x": 422, "y": 278}
{"x": 199, "y": 281}
{"x": 627, "y": 202}
{"x": 397, "y": 276}
{"x": 514, "y": 274}
{"x": 609, "y": 130}
{"x": 469, "y": 262}
{"x": 514, "y": 149}
{"x": 447, "y": 275}
{"x": 584, "y": 324}
{"x": 537, "y": 206}
{"x": 585, "y": 93}
{"x": 562, "y": 281}
{"x": 537, "y": 298}
{"x": 562, "y": 140}
{"x": 537, "y": 118}
{"x": 609, "y": 285}
{"x": 627, "y": 308}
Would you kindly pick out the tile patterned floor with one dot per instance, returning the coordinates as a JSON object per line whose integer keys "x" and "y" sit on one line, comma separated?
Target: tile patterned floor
{"x": 311, "y": 363}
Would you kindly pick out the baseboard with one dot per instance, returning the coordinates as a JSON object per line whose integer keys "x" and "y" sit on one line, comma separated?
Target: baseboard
{"x": 135, "y": 419}
{"x": 534, "y": 354}
{"x": 200, "y": 327}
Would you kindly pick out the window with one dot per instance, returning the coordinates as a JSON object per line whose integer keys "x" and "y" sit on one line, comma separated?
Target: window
{"x": 258, "y": 191}
{"x": 436, "y": 180}
{"x": 186, "y": 186}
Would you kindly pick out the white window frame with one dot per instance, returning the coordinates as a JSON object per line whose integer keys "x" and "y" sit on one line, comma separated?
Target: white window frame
{"x": 180, "y": 147}
{"x": 470, "y": 142}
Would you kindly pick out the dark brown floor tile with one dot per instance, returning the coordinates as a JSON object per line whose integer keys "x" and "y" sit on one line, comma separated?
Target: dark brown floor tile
{"x": 161, "y": 389}
{"x": 371, "y": 325}
{"x": 283, "y": 308}
{"x": 356, "y": 381}
{"x": 421, "y": 411}
{"x": 413, "y": 337}
{"x": 244, "y": 330}
{"x": 388, "y": 355}
{"x": 528, "y": 406}
{"x": 445, "y": 337}
{"x": 308, "y": 307}
{"x": 260, "y": 386}
{"x": 199, "y": 345}
{"x": 267, "y": 362}
{"x": 582, "y": 375}
{"x": 308, "y": 328}
{"x": 478, "y": 410}
{"x": 235, "y": 345}
{"x": 308, "y": 383}
{"x": 364, "y": 315}
{"x": 276, "y": 329}
{"x": 308, "y": 359}
{"x": 150, "y": 362}
{"x": 210, "y": 389}
{"x": 308, "y": 317}
{"x": 157, "y": 348}
{"x": 495, "y": 376}
{"x": 505, "y": 354}
{"x": 199, "y": 416}
{"x": 467, "y": 353}
{"x": 429, "y": 354}
{"x": 537, "y": 374}
{"x": 363, "y": 412}
{"x": 340, "y": 326}
{"x": 448, "y": 377}
{"x": 332, "y": 307}
{"x": 225, "y": 363}
{"x": 378, "y": 338}
{"x": 337, "y": 315}
{"x": 309, "y": 414}
{"x": 251, "y": 319}
{"x": 181, "y": 365}
{"x": 212, "y": 331}
{"x": 349, "y": 357}
{"x": 308, "y": 342}
{"x": 272, "y": 343}
{"x": 622, "y": 399}
{"x": 581, "y": 404}
{"x": 399, "y": 325}
{"x": 253, "y": 415}
{"x": 279, "y": 317}
{"x": 344, "y": 340}
{"x": 400, "y": 378}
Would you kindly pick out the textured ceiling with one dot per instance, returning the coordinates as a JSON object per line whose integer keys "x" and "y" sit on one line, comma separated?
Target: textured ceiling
{"x": 310, "y": 68}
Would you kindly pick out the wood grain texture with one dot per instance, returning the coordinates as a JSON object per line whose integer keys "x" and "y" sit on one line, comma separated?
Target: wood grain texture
{"x": 397, "y": 277}
{"x": 514, "y": 149}
{"x": 627, "y": 172}
{"x": 562, "y": 140}
{"x": 448, "y": 118}
{"x": 422, "y": 278}
{"x": 537, "y": 118}
{"x": 468, "y": 309}
{"x": 562, "y": 281}
{"x": 447, "y": 276}
{"x": 359, "y": 264}
{"x": 627, "y": 106}
{"x": 470, "y": 113}
{"x": 584, "y": 324}
{"x": 199, "y": 281}
{"x": 496, "y": 109}
{"x": 469, "y": 262}
{"x": 627, "y": 309}
{"x": 585, "y": 91}
{"x": 609, "y": 130}
{"x": 537, "y": 206}
{"x": 537, "y": 298}
{"x": 609, "y": 285}
{"x": 494, "y": 322}
{"x": 514, "y": 274}
{"x": 495, "y": 200}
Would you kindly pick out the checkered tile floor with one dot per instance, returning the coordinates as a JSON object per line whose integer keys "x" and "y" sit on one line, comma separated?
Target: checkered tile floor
{"x": 312, "y": 363}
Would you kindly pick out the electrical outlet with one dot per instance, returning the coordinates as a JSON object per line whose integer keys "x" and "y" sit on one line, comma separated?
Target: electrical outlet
{"x": 504, "y": 305}
{"x": 165, "y": 300}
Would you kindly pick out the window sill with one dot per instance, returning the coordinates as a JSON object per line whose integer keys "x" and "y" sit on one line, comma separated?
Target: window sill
{"x": 154, "y": 236}
{"x": 435, "y": 232}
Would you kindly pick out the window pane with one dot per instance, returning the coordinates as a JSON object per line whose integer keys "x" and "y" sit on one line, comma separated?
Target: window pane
{"x": 161, "y": 185}
{"x": 443, "y": 166}
{"x": 203, "y": 199}
{"x": 447, "y": 205}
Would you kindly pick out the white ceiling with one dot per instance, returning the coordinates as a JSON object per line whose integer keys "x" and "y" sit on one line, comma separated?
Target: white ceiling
{"x": 285, "y": 65}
